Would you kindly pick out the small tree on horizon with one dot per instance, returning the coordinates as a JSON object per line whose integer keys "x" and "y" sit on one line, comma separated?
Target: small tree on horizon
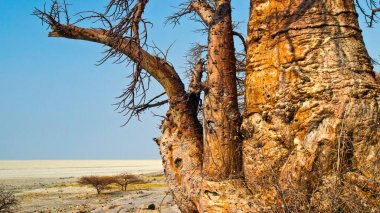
{"x": 126, "y": 178}
{"x": 98, "y": 182}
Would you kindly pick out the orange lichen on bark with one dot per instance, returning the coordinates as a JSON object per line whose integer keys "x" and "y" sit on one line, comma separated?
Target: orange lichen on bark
{"x": 309, "y": 138}
{"x": 310, "y": 91}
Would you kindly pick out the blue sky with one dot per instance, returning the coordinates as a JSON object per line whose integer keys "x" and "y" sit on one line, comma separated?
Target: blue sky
{"x": 56, "y": 104}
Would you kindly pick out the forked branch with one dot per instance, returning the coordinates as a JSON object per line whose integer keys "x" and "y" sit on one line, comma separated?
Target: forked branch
{"x": 135, "y": 111}
{"x": 124, "y": 39}
{"x": 374, "y": 9}
{"x": 206, "y": 12}
{"x": 157, "y": 67}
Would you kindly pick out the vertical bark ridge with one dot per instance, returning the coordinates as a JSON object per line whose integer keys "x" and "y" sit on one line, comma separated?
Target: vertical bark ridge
{"x": 311, "y": 119}
{"x": 181, "y": 151}
{"x": 222, "y": 142}
{"x": 310, "y": 94}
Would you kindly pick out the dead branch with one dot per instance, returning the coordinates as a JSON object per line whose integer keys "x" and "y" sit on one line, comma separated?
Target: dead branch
{"x": 196, "y": 86}
{"x": 136, "y": 110}
{"x": 373, "y": 7}
{"x": 374, "y": 11}
{"x": 241, "y": 37}
{"x": 195, "y": 83}
{"x": 204, "y": 10}
{"x": 125, "y": 34}
{"x": 157, "y": 67}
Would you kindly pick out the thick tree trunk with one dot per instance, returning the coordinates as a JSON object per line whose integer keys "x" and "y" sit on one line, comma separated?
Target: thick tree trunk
{"x": 222, "y": 142}
{"x": 312, "y": 107}
{"x": 202, "y": 166}
{"x": 311, "y": 139}
{"x": 181, "y": 151}
{"x": 310, "y": 128}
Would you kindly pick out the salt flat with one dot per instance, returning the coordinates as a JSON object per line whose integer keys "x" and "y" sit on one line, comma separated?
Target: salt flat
{"x": 12, "y": 169}
{"x": 51, "y": 186}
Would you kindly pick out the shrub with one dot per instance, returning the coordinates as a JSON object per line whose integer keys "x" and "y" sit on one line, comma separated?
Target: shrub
{"x": 125, "y": 178}
{"x": 8, "y": 201}
{"x": 98, "y": 182}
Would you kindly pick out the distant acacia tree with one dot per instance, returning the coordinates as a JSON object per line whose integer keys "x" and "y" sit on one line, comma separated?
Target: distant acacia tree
{"x": 8, "y": 201}
{"x": 286, "y": 122}
{"x": 98, "y": 182}
{"x": 126, "y": 178}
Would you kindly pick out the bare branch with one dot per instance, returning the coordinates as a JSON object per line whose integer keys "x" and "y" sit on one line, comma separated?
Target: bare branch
{"x": 136, "y": 110}
{"x": 374, "y": 11}
{"x": 204, "y": 10}
{"x": 157, "y": 67}
{"x": 125, "y": 41}
{"x": 241, "y": 37}
{"x": 174, "y": 19}
{"x": 195, "y": 83}
{"x": 206, "y": 13}
{"x": 372, "y": 6}
{"x": 140, "y": 108}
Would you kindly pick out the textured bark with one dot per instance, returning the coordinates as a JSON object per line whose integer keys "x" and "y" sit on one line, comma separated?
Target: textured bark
{"x": 181, "y": 140}
{"x": 312, "y": 113}
{"x": 181, "y": 151}
{"x": 196, "y": 86}
{"x": 309, "y": 139}
{"x": 204, "y": 10}
{"x": 222, "y": 142}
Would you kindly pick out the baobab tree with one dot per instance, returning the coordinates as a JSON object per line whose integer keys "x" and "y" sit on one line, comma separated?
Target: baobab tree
{"x": 307, "y": 138}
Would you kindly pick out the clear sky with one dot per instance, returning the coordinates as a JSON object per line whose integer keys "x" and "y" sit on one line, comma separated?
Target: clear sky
{"x": 56, "y": 104}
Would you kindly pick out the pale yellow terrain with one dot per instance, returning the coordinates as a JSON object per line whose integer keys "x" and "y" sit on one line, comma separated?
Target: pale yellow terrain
{"x": 51, "y": 186}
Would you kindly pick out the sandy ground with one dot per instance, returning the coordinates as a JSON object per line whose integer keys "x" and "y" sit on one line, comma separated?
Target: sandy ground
{"x": 64, "y": 194}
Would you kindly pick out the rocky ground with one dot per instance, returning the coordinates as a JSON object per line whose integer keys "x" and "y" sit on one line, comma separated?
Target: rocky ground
{"x": 66, "y": 195}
